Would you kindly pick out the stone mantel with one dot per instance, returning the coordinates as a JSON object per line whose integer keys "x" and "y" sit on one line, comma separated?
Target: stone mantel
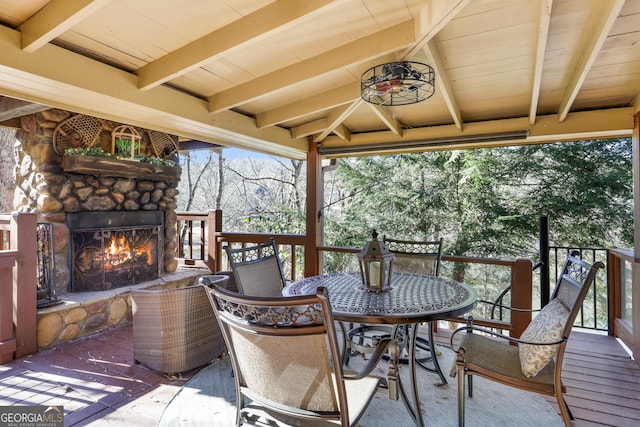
{"x": 107, "y": 166}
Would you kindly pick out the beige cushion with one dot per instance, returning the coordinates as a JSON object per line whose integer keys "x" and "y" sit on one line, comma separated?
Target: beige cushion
{"x": 547, "y": 326}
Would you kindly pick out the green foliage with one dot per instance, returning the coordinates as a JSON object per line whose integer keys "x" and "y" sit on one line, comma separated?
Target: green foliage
{"x": 487, "y": 202}
{"x": 99, "y": 152}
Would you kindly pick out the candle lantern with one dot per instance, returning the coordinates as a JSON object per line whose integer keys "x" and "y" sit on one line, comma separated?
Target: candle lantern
{"x": 125, "y": 142}
{"x": 376, "y": 264}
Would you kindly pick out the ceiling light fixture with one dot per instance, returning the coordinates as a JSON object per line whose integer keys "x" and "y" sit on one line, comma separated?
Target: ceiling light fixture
{"x": 398, "y": 83}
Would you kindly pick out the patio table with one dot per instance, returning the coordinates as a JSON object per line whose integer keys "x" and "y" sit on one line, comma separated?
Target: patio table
{"x": 413, "y": 299}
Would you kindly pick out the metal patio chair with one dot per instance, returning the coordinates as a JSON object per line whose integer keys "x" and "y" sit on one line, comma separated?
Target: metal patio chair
{"x": 283, "y": 351}
{"x": 257, "y": 270}
{"x": 535, "y": 363}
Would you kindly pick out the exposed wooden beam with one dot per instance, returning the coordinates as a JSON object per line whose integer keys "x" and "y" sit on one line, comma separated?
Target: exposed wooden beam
{"x": 360, "y": 50}
{"x": 53, "y": 19}
{"x": 433, "y": 17}
{"x": 309, "y": 129}
{"x": 598, "y": 30}
{"x": 324, "y": 101}
{"x": 12, "y": 108}
{"x": 544, "y": 19}
{"x": 87, "y": 86}
{"x": 336, "y": 118}
{"x": 612, "y": 123}
{"x": 274, "y": 17}
{"x": 444, "y": 83}
{"x": 389, "y": 121}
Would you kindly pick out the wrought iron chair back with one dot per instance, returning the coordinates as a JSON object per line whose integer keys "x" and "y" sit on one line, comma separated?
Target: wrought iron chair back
{"x": 257, "y": 269}
{"x": 423, "y": 257}
{"x": 282, "y": 350}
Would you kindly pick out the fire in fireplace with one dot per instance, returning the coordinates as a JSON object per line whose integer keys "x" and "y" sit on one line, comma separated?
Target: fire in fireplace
{"x": 113, "y": 252}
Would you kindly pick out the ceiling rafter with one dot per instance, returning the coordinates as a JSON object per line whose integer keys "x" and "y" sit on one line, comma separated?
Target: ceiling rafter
{"x": 324, "y": 101}
{"x": 336, "y": 117}
{"x": 360, "y": 50}
{"x": 343, "y": 132}
{"x": 602, "y": 21}
{"x": 270, "y": 19}
{"x": 541, "y": 45}
{"x": 389, "y": 121}
{"x": 444, "y": 83}
{"x": 309, "y": 128}
{"x": 432, "y": 19}
{"x": 54, "y": 19}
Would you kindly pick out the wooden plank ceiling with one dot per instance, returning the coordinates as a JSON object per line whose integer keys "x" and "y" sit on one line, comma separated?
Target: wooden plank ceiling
{"x": 278, "y": 76}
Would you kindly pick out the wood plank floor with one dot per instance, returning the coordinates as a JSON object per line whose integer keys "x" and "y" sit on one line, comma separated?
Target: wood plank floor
{"x": 97, "y": 382}
{"x": 603, "y": 382}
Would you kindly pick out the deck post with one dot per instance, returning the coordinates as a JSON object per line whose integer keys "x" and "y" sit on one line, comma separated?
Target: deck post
{"x": 23, "y": 238}
{"x": 521, "y": 295}
{"x": 635, "y": 293}
{"x": 214, "y": 225}
{"x": 314, "y": 212}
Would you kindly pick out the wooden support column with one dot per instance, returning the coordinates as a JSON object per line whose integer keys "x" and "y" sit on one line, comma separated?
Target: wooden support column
{"x": 635, "y": 294}
{"x": 214, "y": 226}
{"x": 521, "y": 295}
{"x": 314, "y": 212}
{"x": 23, "y": 238}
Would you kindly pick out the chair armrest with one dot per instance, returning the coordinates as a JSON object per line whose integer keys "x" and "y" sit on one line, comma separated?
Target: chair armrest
{"x": 393, "y": 376}
{"x": 381, "y": 348}
{"x": 508, "y": 307}
{"x": 469, "y": 328}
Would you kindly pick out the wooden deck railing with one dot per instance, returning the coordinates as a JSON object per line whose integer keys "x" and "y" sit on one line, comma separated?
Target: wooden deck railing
{"x": 192, "y": 229}
{"x": 18, "y": 261}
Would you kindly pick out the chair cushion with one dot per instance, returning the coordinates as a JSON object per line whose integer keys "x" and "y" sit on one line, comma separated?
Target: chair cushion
{"x": 547, "y": 326}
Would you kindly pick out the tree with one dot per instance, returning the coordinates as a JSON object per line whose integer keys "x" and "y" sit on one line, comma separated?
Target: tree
{"x": 487, "y": 202}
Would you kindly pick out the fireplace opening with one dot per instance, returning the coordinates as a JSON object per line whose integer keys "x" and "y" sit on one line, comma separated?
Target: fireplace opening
{"x": 114, "y": 254}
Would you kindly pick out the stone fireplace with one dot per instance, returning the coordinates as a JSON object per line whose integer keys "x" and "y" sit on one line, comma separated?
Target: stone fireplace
{"x": 97, "y": 205}
{"x": 113, "y": 221}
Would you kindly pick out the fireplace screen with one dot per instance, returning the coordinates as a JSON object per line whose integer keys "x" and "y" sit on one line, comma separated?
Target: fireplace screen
{"x": 109, "y": 258}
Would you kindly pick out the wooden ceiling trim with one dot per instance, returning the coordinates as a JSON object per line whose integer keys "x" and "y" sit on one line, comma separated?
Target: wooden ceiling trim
{"x": 544, "y": 21}
{"x": 603, "y": 19}
{"x": 360, "y": 50}
{"x": 255, "y": 26}
{"x": 54, "y": 19}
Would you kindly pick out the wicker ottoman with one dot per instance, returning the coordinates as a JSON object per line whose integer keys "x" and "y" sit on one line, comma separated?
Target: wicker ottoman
{"x": 175, "y": 330}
